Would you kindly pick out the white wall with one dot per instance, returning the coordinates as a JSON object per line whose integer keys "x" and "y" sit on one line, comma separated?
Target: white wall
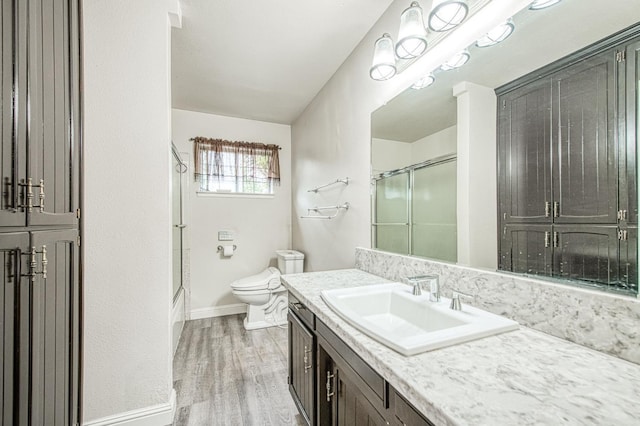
{"x": 126, "y": 211}
{"x": 389, "y": 155}
{"x": 435, "y": 145}
{"x": 261, "y": 226}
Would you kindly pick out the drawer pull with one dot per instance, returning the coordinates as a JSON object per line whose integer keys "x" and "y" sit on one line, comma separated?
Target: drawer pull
{"x": 329, "y": 392}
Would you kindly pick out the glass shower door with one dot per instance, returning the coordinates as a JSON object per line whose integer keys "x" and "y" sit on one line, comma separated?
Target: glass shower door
{"x": 434, "y": 228}
{"x": 177, "y": 221}
{"x": 391, "y": 214}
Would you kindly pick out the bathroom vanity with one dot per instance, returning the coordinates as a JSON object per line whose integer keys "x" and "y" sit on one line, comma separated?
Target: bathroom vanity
{"x": 338, "y": 375}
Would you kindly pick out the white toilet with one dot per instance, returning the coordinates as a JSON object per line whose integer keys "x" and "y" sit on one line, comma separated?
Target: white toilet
{"x": 265, "y": 296}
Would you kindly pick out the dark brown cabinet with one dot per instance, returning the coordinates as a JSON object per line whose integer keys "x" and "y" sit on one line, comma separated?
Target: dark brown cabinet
{"x": 301, "y": 367}
{"x": 39, "y": 212}
{"x": 567, "y": 167}
{"x": 346, "y": 390}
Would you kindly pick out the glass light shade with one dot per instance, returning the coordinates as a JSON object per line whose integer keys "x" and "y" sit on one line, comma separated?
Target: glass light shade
{"x": 447, "y": 14}
{"x": 384, "y": 60}
{"x": 496, "y": 35}
{"x": 425, "y": 81}
{"x": 542, "y": 4}
{"x": 456, "y": 61}
{"x": 412, "y": 36}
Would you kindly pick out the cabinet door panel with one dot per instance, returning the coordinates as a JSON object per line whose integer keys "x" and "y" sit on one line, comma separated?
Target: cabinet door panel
{"x": 13, "y": 104}
{"x": 352, "y": 406}
{"x": 526, "y": 249}
{"x": 585, "y": 155}
{"x": 55, "y": 329}
{"x": 301, "y": 362}
{"x": 627, "y": 146}
{"x": 524, "y": 149}
{"x": 14, "y": 289}
{"x": 53, "y": 92}
{"x": 587, "y": 253}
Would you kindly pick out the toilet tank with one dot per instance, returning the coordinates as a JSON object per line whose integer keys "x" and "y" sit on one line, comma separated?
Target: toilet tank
{"x": 290, "y": 261}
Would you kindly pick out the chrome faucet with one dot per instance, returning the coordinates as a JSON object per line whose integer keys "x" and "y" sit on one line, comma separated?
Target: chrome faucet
{"x": 434, "y": 289}
{"x": 456, "y": 304}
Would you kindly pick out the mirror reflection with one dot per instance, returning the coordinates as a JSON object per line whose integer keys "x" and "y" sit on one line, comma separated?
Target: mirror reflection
{"x": 424, "y": 173}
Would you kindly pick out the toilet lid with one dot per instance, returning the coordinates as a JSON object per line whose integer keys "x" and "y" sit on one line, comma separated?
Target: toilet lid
{"x": 269, "y": 278}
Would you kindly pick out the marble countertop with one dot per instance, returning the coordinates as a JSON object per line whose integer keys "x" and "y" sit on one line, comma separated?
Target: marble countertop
{"x": 522, "y": 377}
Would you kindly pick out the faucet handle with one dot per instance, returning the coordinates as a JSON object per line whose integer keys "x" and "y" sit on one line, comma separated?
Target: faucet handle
{"x": 456, "y": 304}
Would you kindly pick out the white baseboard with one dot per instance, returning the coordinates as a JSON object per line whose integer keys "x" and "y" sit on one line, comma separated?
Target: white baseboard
{"x": 219, "y": 311}
{"x": 155, "y": 415}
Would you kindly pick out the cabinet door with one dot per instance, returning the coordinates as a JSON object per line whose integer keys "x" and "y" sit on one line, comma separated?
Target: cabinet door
{"x": 54, "y": 318}
{"x": 13, "y": 104}
{"x": 301, "y": 363}
{"x": 585, "y": 166}
{"x": 526, "y": 249}
{"x": 404, "y": 414}
{"x": 53, "y": 134}
{"x": 15, "y": 288}
{"x": 352, "y": 406}
{"x": 586, "y": 253}
{"x": 524, "y": 149}
{"x": 627, "y": 145}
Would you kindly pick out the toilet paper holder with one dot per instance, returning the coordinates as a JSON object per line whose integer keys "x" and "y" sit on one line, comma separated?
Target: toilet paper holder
{"x": 220, "y": 248}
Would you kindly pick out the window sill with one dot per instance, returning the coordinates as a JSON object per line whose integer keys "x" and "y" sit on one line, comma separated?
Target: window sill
{"x": 211, "y": 194}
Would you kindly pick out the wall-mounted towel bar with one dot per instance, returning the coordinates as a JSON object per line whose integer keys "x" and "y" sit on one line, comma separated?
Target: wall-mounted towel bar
{"x": 343, "y": 181}
{"x": 337, "y": 209}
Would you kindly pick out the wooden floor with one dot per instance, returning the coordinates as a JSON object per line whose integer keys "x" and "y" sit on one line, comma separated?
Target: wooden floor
{"x": 225, "y": 375}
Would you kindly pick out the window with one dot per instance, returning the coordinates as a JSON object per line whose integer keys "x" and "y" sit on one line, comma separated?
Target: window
{"x": 236, "y": 167}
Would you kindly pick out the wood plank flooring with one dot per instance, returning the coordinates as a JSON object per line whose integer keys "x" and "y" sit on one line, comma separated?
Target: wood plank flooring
{"x": 225, "y": 375}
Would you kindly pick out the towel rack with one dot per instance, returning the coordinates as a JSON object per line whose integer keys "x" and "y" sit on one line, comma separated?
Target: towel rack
{"x": 344, "y": 206}
{"x": 344, "y": 181}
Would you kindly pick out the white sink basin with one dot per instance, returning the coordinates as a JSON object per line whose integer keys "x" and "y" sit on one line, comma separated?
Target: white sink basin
{"x": 410, "y": 324}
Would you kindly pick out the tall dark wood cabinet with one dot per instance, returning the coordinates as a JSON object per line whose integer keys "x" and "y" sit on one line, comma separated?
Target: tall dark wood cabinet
{"x": 567, "y": 176}
{"x": 39, "y": 212}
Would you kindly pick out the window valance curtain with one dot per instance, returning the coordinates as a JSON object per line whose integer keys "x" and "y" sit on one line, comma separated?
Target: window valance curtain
{"x": 247, "y": 163}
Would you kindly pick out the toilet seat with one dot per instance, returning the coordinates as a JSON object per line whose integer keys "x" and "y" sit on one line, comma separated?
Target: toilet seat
{"x": 269, "y": 279}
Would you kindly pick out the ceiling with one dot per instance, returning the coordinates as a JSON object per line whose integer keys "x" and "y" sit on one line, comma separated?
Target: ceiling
{"x": 263, "y": 60}
{"x": 541, "y": 37}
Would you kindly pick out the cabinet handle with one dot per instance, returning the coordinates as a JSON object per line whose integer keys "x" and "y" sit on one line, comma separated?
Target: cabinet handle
{"x": 305, "y": 359}
{"x": 547, "y": 209}
{"x": 296, "y": 305}
{"x": 556, "y": 209}
{"x": 556, "y": 239}
{"x": 547, "y": 239}
{"x": 329, "y": 392}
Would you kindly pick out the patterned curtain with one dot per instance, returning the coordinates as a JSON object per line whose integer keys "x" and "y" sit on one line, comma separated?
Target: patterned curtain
{"x": 236, "y": 166}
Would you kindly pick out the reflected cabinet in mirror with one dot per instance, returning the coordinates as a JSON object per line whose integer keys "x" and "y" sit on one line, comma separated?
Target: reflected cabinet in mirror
{"x": 524, "y": 159}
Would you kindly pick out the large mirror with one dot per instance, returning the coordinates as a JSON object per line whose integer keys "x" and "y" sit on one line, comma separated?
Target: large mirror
{"x": 415, "y": 136}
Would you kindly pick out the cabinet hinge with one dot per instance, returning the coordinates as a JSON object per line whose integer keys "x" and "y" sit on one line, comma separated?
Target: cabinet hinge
{"x": 622, "y": 215}
{"x": 623, "y": 235}
{"x": 621, "y": 56}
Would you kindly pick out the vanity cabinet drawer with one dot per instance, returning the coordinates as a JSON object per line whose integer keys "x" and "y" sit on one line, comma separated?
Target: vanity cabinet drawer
{"x": 302, "y": 312}
{"x": 376, "y": 384}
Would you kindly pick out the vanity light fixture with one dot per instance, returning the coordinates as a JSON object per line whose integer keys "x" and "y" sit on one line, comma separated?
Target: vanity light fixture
{"x": 456, "y": 61}
{"x": 447, "y": 14}
{"x": 496, "y": 35}
{"x": 425, "y": 81}
{"x": 543, "y": 4}
{"x": 384, "y": 60}
{"x": 412, "y": 36}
